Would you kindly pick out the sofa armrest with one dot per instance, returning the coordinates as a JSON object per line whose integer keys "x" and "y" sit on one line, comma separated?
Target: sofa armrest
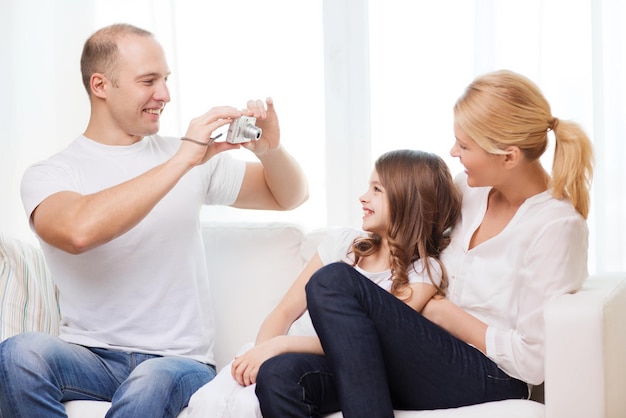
{"x": 585, "y": 350}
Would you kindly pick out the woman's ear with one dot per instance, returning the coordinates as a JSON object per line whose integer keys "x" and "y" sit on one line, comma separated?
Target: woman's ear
{"x": 97, "y": 84}
{"x": 512, "y": 157}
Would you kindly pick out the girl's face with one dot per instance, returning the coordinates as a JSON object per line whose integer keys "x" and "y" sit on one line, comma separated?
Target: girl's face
{"x": 481, "y": 167}
{"x": 375, "y": 207}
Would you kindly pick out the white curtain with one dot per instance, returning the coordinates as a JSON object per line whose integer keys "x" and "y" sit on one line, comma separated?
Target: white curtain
{"x": 350, "y": 78}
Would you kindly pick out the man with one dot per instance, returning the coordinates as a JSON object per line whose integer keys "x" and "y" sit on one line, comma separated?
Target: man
{"x": 117, "y": 216}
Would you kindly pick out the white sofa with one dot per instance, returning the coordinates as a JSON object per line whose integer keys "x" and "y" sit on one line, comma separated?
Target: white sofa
{"x": 253, "y": 264}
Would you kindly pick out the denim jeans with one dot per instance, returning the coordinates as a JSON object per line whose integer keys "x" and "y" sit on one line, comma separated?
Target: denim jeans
{"x": 380, "y": 355}
{"x": 39, "y": 371}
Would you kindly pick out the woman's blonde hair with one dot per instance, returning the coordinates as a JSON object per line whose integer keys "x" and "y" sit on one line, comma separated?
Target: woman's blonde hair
{"x": 424, "y": 204}
{"x": 503, "y": 108}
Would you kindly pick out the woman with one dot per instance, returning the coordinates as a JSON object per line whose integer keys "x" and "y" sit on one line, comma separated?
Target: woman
{"x": 521, "y": 240}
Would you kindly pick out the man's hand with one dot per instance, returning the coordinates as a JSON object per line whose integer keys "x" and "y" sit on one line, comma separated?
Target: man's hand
{"x": 267, "y": 120}
{"x": 199, "y": 144}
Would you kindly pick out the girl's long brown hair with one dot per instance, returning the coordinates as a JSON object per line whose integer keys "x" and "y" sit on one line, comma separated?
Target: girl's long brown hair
{"x": 424, "y": 204}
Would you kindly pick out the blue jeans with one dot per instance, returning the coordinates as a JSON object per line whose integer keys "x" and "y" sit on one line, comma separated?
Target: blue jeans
{"x": 380, "y": 355}
{"x": 39, "y": 371}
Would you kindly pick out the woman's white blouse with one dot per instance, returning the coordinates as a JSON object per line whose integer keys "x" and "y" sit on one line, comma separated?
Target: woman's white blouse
{"x": 507, "y": 280}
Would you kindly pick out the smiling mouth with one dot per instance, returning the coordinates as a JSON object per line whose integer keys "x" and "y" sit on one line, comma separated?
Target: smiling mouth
{"x": 367, "y": 212}
{"x": 154, "y": 111}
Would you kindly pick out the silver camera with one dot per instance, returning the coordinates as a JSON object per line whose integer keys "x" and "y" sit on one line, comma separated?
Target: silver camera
{"x": 243, "y": 129}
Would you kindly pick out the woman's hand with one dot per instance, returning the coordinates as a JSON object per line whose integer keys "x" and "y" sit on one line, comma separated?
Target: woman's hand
{"x": 456, "y": 321}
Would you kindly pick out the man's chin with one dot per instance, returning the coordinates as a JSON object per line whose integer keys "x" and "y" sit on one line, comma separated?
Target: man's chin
{"x": 151, "y": 131}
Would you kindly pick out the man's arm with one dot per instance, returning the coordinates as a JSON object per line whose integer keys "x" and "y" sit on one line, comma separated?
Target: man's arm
{"x": 77, "y": 223}
{"x": 277, "y": 182}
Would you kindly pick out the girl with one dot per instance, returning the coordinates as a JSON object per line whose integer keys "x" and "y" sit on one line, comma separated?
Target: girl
{"x": 408, "y": 211}
{"x": 521, "y": 240}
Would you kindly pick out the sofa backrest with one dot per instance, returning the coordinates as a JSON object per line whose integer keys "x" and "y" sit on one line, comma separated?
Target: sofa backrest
{"x": 250, "y": 267}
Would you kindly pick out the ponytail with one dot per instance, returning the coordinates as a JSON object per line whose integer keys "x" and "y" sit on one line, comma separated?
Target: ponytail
{"x": 572, "y": 167}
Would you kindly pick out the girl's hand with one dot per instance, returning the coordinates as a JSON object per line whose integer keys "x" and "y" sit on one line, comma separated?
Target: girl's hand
{"x": 245, "y": 367}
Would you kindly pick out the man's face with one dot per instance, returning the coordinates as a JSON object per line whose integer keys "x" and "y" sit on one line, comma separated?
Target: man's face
{"x": 137, "y": 91}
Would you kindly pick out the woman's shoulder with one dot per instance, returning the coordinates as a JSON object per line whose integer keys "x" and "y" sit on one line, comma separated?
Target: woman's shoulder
{"x": 546, "y": 206}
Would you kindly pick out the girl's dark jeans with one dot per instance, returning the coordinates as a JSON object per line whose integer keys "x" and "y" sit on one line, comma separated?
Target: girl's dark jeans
{"x": 381, "y": 355}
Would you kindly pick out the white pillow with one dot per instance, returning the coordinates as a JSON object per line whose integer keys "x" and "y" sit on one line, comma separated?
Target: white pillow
{"x": 28, "y": 296}
{"x": 251, "y": 266}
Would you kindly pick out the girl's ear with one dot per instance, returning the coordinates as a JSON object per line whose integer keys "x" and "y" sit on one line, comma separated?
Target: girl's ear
{"x": 98, "y": 84}
{"x": 512, "y": 157}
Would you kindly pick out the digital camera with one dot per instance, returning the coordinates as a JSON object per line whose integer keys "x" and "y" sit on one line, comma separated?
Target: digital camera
{"x": 243, "y": 129}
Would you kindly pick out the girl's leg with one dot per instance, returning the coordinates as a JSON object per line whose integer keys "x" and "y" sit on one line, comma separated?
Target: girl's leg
{"x": 384, "y": 352}
{"x": 296, "y": 385}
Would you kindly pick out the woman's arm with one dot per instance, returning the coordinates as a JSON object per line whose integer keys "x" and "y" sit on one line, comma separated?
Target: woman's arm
{"x": 418, "y": 295}
{"x": 456, "y": 321}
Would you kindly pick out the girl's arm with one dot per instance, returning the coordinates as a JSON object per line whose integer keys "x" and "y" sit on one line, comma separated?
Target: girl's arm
{"x": 272, "y": 338}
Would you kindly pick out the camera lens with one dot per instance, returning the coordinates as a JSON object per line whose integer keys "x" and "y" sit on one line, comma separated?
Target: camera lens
{"x": 251, "y": 131}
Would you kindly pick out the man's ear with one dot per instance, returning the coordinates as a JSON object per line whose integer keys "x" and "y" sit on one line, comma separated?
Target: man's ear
{"x": 512, "y": 157}
{"x": 98, "y": 83}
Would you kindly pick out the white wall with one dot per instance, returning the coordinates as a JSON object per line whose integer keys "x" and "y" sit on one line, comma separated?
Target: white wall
{"x": 351, "y": 79}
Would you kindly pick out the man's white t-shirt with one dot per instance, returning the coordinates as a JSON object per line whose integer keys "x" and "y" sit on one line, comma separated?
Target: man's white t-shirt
{"x": 146, "y": 290}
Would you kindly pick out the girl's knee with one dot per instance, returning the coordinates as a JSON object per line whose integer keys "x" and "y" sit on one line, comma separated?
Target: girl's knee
{"x": 329, "y": 276}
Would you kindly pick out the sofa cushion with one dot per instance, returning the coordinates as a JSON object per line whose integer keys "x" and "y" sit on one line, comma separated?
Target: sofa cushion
{"x": 251, "y": 266}
{"x": 28, "y": 297}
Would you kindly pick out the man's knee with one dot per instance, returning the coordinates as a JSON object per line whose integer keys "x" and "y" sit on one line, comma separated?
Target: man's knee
{"x": 167, "y": 375}
{"x": 27, "y": 350}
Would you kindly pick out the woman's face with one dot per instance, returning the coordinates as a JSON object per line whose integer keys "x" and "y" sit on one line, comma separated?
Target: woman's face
{"x": 375, "y": 207}
{"x": 481, "y": 167}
